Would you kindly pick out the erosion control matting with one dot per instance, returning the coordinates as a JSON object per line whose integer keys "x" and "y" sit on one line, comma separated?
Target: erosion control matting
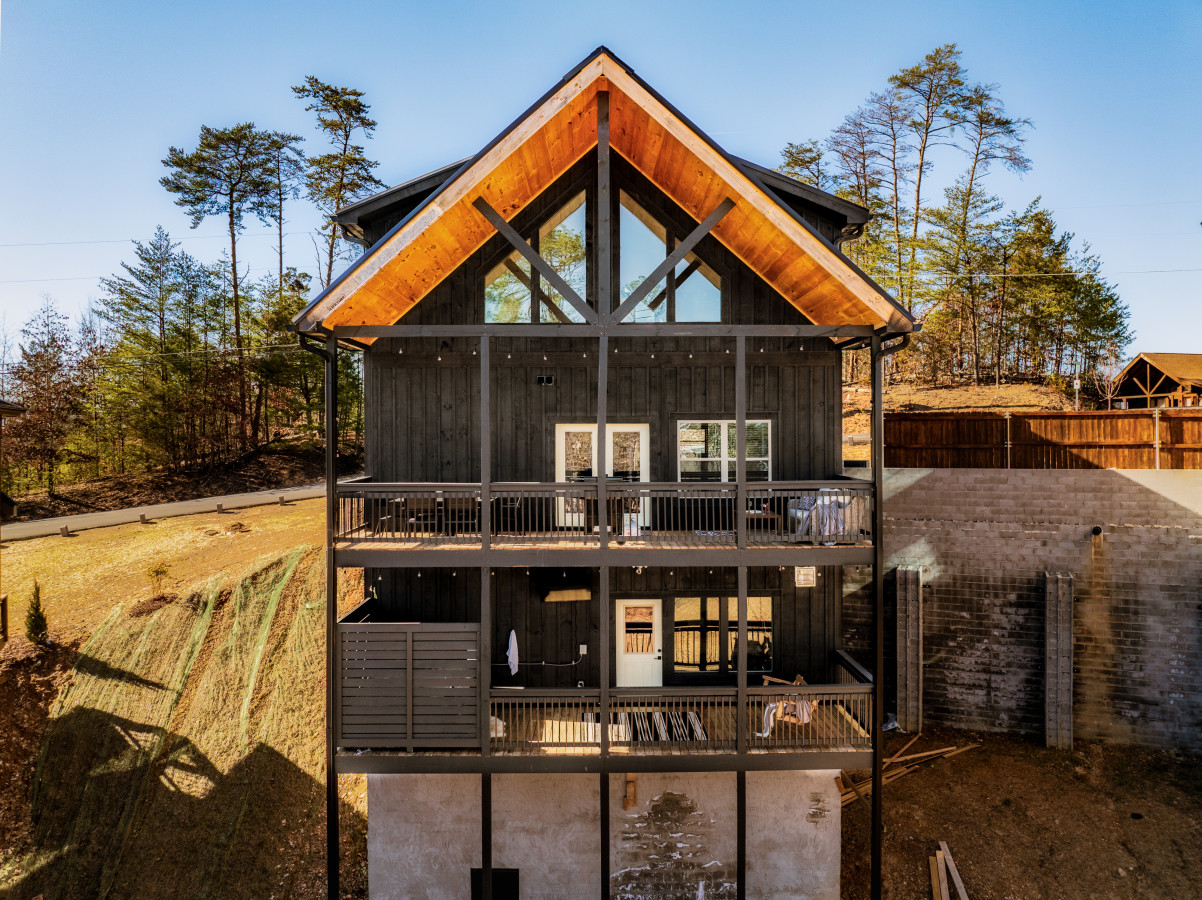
{"x": 184, "y": 759}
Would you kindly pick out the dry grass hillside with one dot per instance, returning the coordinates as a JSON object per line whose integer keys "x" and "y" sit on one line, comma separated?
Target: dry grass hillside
{"x": 171, "y": 745}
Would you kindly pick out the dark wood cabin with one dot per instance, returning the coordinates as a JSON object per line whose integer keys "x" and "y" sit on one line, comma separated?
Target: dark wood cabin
{"x": 602, "y": 368}
{"x": 1154, "y": 380}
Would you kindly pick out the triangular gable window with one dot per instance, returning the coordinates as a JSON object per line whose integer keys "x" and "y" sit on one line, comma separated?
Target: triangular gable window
{"x": 692, "y": 293}
{"x": 561, "y": 240}
{"x": 514, "y": 294}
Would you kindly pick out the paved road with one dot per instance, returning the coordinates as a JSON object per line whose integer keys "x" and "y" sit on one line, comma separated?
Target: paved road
{"x": 42, "y": 527}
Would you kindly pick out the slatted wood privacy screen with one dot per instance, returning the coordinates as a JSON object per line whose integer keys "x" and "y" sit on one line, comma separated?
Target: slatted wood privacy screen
{"x": 1118, "y": 439}
{"x": 409, "y": 685}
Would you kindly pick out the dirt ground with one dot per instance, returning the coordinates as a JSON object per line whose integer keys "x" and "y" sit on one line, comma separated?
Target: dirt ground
{"x": 274, "y": 466}
{"x": 1027, "y": 823}
{"x": 857, "y": 404}
{"x": 30, "y": 679}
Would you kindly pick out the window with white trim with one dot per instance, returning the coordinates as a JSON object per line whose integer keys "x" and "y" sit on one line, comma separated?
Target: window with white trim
{"x": 706, "y": 450}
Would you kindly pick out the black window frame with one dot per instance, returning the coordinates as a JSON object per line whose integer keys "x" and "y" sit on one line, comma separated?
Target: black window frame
{"x": 727, "y": 673}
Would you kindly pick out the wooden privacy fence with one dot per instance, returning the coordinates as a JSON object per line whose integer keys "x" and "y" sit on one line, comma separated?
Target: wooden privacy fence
{"x": 1109, "y": 439}
{"x": 408, "y": 685}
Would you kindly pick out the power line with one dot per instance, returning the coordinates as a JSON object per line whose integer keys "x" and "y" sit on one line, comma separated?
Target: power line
{"x": 98, "y": 277}
{"x": 186, "y": 237}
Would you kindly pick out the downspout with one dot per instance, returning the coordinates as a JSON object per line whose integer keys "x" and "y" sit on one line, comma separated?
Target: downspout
{"x": 879, "y": 353}
{"x": 330, "y": 354}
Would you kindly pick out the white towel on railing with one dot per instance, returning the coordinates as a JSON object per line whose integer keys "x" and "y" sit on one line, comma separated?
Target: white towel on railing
{"x": 798, "y": 708}
{"x": 512, "y": 655}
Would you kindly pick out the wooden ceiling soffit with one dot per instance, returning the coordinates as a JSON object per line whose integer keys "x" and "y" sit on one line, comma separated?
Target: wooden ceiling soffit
{"x": 805, "y": 270}
{"x": 448, "y": 229}
{"x": 540, "y": 148}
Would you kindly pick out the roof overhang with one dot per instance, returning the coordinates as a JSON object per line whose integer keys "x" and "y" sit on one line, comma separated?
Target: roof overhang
{"x": 542, "y": 145}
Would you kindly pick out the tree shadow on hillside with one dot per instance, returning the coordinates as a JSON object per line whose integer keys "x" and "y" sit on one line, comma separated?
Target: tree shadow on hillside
{"x": 98, "y": 668}
{"x": 122, "y": 809}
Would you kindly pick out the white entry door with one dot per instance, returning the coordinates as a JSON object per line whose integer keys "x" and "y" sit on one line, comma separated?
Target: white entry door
{"x": 638, "y": 643}
{"x": 628, "y": 456}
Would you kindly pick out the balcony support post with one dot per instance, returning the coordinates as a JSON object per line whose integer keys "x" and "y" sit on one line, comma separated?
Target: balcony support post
{"x": 485, "y": 654}
{"x": 485, "y": 449}
{"x": 740, "y": 441}
{"x": 332, "y": 680}
{"x": 741, "y": 834}
{"x": 601, "y": 451}
{"x": 878, "y": 615}
{"x": 486, "y": 836}
{"x": 741, "y": 722}
{"x": 605, "y": 826}
{"x": 606, "y": 629}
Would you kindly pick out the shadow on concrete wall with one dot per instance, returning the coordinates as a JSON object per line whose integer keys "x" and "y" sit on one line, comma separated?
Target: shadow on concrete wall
{"x": 984, "y": 539}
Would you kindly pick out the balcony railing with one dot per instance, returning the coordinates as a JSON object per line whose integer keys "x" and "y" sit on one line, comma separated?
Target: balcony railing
{"x": 415, "y": 687}
{"x": 638, "y": 514}
{"x": 681, "y": 721}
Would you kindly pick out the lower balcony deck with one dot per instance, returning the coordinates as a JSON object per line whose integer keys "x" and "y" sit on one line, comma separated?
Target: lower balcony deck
{"x": 409, "y": 699}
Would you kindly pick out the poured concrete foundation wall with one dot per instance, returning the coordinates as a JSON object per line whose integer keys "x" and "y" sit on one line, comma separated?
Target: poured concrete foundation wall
{"x": 423, "y": 836}
{"x": 793, "y": 835}
{"x": 984, "y": 539}
{"x": 675, "y": 838}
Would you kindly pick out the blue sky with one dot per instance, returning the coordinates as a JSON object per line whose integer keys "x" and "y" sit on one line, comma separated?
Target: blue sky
{"x": 93, "y": 94}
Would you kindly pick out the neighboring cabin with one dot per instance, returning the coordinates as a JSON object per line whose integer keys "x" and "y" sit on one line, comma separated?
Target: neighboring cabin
{"x": 1160, "y": 380}
{"x": 604, "y": 508}
{"x": 8, "y": 410}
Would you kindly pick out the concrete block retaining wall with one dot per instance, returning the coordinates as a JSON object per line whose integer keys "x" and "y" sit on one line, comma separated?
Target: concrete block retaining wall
{"x": 984, "y": 539}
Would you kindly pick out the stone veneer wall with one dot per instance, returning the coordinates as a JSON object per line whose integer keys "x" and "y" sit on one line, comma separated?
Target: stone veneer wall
{"x": 984, "y": 539}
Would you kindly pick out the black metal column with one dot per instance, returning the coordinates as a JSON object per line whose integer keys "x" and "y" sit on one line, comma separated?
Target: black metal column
{"x": 331, "y": 410}
{"x": 740, "y": 440}
{"x": 605, "y": 826}
{"x": 740, "y": 834}
{"x": 605, "y": 630}
{"x": 604, "y": 306}
{"x": 741, "y": 723}
{"x": 486, "y": 836}
{"x": 878, "y": 613}
{"x": 485, "y": 648}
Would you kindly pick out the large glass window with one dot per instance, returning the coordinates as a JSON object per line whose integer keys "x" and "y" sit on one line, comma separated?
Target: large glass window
{"x": 507, "y": 291}
{"x": 514, "y": 294}
{"x": 705, "y": 634}
{"x": 561, "y": 242}
{"x": 703, "y": 454}
{"x": 691, "y": 293}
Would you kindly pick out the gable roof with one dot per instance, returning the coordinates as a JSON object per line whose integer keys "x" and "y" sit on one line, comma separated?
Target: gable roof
{"x": 8, "y": 409}
{"x": 366, "y": 220}
{"x": 1184, "y": 368}
{"x": 442, "y": 232}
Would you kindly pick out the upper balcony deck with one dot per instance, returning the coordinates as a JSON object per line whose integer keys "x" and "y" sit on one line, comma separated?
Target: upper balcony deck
{"x": 826, "y": 522}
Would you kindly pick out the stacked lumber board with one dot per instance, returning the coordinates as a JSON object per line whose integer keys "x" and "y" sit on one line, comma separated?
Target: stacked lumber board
{"x": 895, "y": 767}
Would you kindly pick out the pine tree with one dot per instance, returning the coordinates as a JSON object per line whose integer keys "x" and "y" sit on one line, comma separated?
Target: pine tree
{"x": 228, "y": 174}
{"x": 336, "y": 178}
{"x": 36, "y": 629}
{"x": 46, "y": 383}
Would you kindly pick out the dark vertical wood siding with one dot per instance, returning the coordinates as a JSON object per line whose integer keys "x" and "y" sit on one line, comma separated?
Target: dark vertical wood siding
{"x": 551, "y": 633}
{"x": 424, "y": 413}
